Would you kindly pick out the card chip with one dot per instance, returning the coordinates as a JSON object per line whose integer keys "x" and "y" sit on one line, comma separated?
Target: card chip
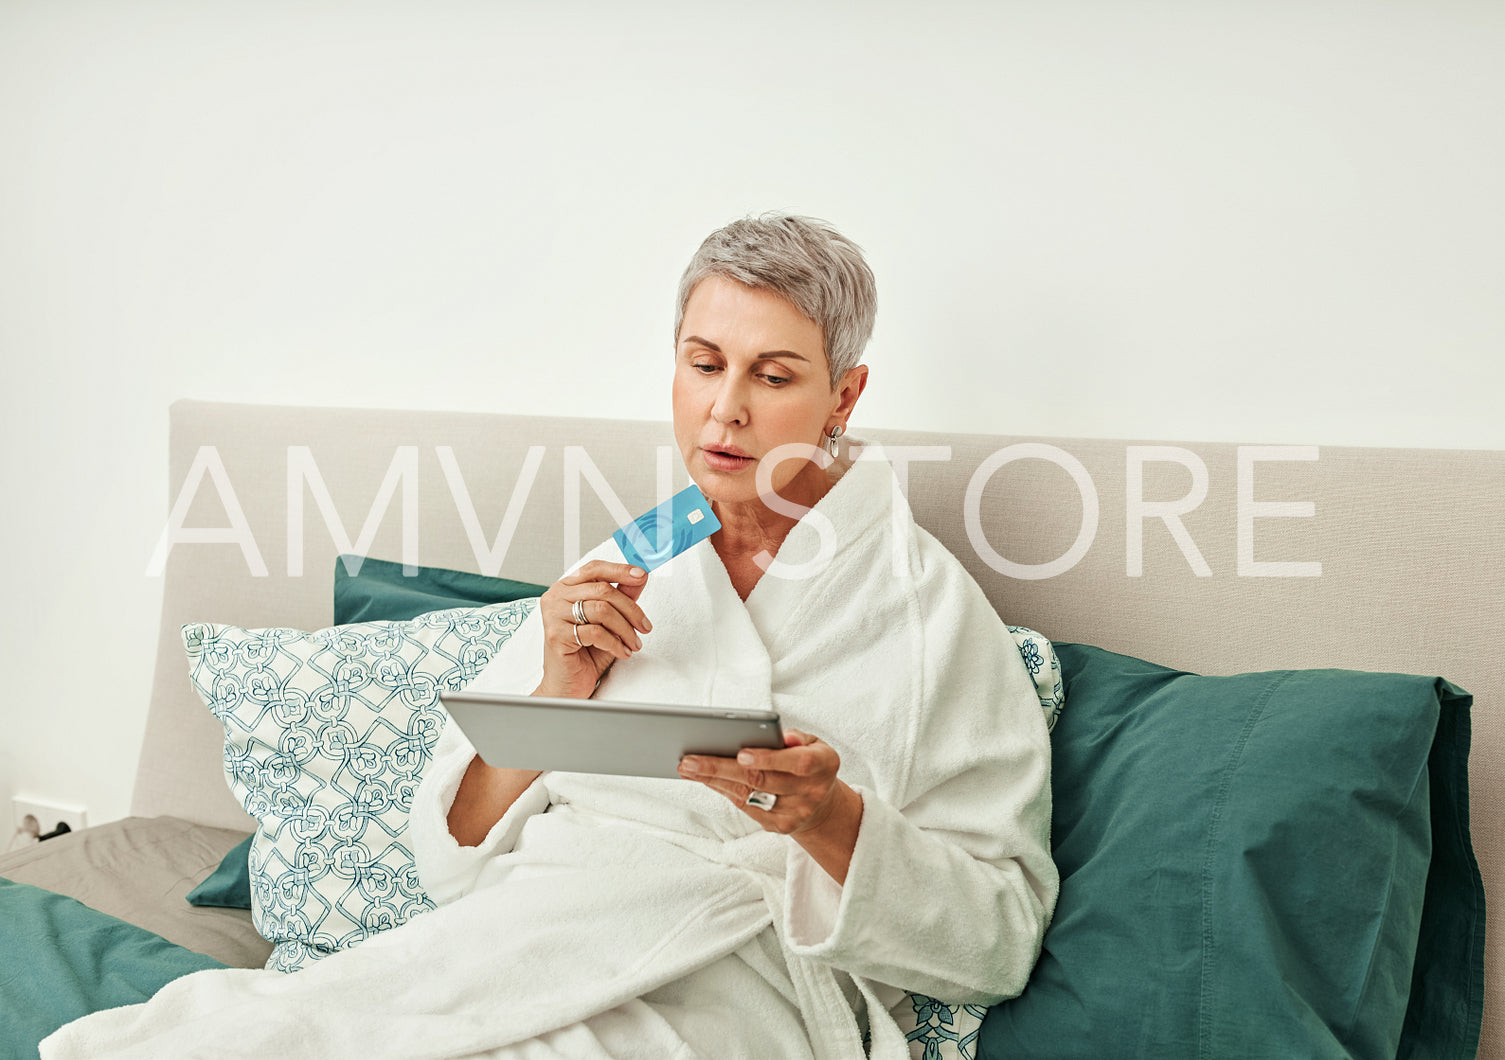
{"x": 695, "y": 516}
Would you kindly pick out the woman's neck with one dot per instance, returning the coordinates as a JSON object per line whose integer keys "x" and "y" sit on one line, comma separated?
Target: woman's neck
{"x": 751, "y": 528}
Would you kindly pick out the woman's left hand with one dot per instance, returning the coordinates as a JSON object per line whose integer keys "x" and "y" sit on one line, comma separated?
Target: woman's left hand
{"x": 802, "y": 776}
{"x": 812, "y": 805}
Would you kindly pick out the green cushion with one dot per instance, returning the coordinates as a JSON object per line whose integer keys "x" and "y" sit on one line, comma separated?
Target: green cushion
{"x": 380, "y": 592}
{"x": 63, "y": 960}
{"x": 228, "y": 886}
{"x": 1247, "y": 863}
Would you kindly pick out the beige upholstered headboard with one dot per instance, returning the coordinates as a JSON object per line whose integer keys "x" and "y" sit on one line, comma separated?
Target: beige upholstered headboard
{"x": 1409, "y": 543}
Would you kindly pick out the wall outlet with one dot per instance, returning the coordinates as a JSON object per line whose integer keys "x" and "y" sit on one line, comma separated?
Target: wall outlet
{"x": 48, "y": 814}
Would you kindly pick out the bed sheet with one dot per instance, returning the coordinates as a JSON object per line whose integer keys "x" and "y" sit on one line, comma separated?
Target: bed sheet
{"x": 64, "y": 960}
{"x": 140, "y": 870}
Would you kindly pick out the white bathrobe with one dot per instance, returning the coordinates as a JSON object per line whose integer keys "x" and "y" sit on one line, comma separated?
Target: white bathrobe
{"x": 641, "y": 917}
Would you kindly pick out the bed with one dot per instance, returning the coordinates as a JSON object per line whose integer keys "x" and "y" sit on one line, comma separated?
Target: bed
{"x": 1144, "y": 562}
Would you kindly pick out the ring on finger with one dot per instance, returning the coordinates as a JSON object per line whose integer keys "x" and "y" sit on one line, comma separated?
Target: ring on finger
{"x": 576, "y": 630}
{"x": 763, "y": 800}
{"x": 578, "y": 611}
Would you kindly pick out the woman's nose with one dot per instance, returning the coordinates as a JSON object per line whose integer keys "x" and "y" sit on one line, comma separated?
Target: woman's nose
{"x": 730, "y": 405}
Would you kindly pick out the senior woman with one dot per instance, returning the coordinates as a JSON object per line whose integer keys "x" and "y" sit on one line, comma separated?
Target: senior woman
{"x": 752, "y": 374}
{"x": 905, "y": 846}
{"x": 775, "y": 905}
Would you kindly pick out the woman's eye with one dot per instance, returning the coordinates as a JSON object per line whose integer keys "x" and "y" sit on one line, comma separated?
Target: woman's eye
{"x": 704, "y": 369}
{"x": 777, "y": 380}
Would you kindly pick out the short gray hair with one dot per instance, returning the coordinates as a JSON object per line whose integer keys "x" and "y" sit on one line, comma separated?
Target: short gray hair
{"x": 804, "y": 260}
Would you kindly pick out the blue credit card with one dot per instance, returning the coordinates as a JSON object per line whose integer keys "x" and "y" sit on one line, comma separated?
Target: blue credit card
{"x": 656, "y": 537}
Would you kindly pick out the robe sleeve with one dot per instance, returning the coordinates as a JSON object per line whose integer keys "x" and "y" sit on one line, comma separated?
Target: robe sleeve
{"x": 951, "y": 883}
{"x": 447, "y": 870}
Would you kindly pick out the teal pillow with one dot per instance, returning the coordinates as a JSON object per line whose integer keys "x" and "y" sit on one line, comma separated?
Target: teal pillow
{"x": 1247, "y": 865}
{"x": 380, "y": 592}
{"x": 228, "y": 886}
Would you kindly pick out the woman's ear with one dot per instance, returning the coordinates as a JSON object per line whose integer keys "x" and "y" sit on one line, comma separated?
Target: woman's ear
{"x": 848, "y": 391}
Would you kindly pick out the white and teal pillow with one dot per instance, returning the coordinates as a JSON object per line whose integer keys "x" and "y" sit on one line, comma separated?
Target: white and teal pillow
{"x": 326, "y": 738}
{"x": 938, "y": 1031}
{"x": 1043, "y": 666}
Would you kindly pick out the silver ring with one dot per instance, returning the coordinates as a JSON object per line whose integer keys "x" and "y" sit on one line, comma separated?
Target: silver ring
{"x": 579, "y": 612}
{"x": 577, "y": 636}
{"x": 763, "y": 800}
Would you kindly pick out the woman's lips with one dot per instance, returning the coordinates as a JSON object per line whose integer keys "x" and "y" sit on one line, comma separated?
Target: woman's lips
{"x": 720, "y": 461}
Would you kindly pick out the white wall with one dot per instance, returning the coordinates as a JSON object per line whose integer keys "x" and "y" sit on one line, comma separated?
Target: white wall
{"x": 1206, "y": 221}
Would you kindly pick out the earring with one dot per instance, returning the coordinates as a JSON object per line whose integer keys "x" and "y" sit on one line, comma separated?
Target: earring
{"x": 836, "y": 432}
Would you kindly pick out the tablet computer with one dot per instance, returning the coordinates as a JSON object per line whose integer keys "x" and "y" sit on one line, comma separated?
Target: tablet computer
{"x": 600, "y": 736}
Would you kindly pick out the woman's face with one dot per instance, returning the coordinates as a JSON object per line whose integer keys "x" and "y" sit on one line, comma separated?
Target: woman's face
{"x": 750, "y": 374}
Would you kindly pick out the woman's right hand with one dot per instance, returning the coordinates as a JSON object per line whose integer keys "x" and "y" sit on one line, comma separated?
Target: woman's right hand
{"x": 573, "y": 667}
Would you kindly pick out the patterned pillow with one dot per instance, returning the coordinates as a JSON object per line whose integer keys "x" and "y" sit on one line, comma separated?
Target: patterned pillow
{"x": 326, "y": 738}
{"x": 1041, "y": 662}
{"x": 935, "y": 1029}
{"x": 938, "y": 1031}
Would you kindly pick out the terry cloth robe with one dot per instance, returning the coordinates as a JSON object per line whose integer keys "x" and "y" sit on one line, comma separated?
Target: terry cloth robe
{"x": 614, "y": 917}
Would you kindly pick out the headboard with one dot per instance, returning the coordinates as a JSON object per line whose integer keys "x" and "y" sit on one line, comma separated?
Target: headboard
{"x": 1398, "y": 563}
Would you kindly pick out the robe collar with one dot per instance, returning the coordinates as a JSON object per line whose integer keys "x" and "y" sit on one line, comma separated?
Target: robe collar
{"x": 858, "y": 509}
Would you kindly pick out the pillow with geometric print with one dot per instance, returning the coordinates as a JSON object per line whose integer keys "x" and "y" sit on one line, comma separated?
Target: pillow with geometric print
{"x": 938, "y": 1031}
{"x": 1044, "y": 669}
{"x": 326, "y": 737}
